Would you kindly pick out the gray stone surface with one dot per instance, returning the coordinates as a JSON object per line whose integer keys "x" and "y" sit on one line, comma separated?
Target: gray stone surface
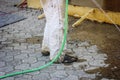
{"x": 7, "y": 58}
{"x": 37, "y": 64}
{"x": 22, "y": 66}
{"x": 55, "y": 79}
{"x": 10, "y": 78}
{"x": 29, "y": 60}
{"x": 21, "y": 56}
{"x": 2, "y": 64}
{"x": 71, "y": 77}
{"x": 18, "y": 53}
{"x": 59, "y": 74}
{"x": 2, "y": 73}
{"x": 6, "y": 69}
{"x": 42, "y": 76}
{"x": 2, "y": 54}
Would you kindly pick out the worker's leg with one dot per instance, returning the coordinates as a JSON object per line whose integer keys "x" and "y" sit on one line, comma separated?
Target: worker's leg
{"x": 53, "y": 33}
{"x": 54, "y": 12}
{"x": 45, "y": 42}
{"x": 56, "y": 25}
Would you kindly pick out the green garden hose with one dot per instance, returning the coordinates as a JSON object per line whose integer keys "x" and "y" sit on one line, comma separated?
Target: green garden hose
{"x": 56, "y": 57}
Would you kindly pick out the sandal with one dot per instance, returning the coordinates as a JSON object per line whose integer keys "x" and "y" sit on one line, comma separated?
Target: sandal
{"x": 45, "y": 53}
{"x": 69, "y": 59}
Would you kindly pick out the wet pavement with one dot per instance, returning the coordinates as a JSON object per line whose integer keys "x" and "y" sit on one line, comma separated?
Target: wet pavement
{"x": 20, "y": 49}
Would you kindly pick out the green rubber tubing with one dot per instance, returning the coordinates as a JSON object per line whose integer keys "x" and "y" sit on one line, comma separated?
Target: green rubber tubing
{"x": 56, "y": 57}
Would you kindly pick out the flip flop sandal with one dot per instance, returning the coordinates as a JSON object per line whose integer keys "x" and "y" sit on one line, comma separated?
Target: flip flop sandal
{"x": 69, "y": 59}
{"x": 45, "y": 53}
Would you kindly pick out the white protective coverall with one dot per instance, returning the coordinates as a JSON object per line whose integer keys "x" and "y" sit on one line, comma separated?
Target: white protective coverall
{"x": 53, "y": 33}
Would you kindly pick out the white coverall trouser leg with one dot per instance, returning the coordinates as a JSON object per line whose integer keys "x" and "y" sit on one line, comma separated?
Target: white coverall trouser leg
{"x": 53, "y": 33}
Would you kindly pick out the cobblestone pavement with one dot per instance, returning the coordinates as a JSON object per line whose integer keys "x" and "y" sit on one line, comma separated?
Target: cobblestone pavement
{"x": 20, "y": 49}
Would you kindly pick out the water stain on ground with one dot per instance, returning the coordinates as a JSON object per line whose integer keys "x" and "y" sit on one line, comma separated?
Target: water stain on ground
{"x": 35, "y": 40}
{"x": 106, "y": 37}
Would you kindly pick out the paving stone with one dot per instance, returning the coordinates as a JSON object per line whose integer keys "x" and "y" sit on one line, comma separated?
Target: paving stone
{"x": 20, "y": 40}
{"x": 59, "y": 74}
{"x": 28, "y": 51}
{"x": 37, "y": 54}
{"x": 3, "y": 39}
{"x": 20, "y": 35}
{"x": 92, "y": 69}
{"x": 34, "y": 46}
{"x": 29, "y": 60}
{"x": 6, "y": 69}
{"x": 97, "y": 63}
{"x": 50, "y": 69}
{"x": 9, "y": 78}
{"x": 2, "y": 73}
{"x": 90, "y": 54}
{"x": 27, "y": 77}
{"x": 89, "y": 76}
{"x": 2, "y": 54}
{"x": 43, "y": 58}
{"x": 71, "y": 77}
{"x": 15, "y": 44}
{"x": 79, "y": 73}
{"x": 42, "y": 76}
{"x": 24, "y": 44}
{"x": 34, "y": 73}
{"x": 88, "y": 57}
{"x": 2, "y": 64}
{"x": 22, "y": 79}
{"x": 21, "y": 56}
{"x": 68, "y": 67}
{"x": 7, "y": 58}
{"x": 92, "y": 49}
{"x": 18, "y": 76}
{"x": 14, "y": 62}
{"x": 81, "y": 65}
{"x": 38, "y": 64}
{"x": 27, "y": 35}
{"x": 70, "y": 46}
{"x": 10, "y": 48}
{"x": 37, "y": 50}
{"x": 20, "y": 47}
{"x": 13, "y": 52}
{"x": 100, "y": 57}
{"x": 22, "y": 66}
{"x": 6, "y": 42}
{"x": 60, "y": 66}
{"x": 84, "y": 44}
{"x": 55, "y": 79}
{"x": 80, "y": 50}
{"x": 70, "y": 72}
